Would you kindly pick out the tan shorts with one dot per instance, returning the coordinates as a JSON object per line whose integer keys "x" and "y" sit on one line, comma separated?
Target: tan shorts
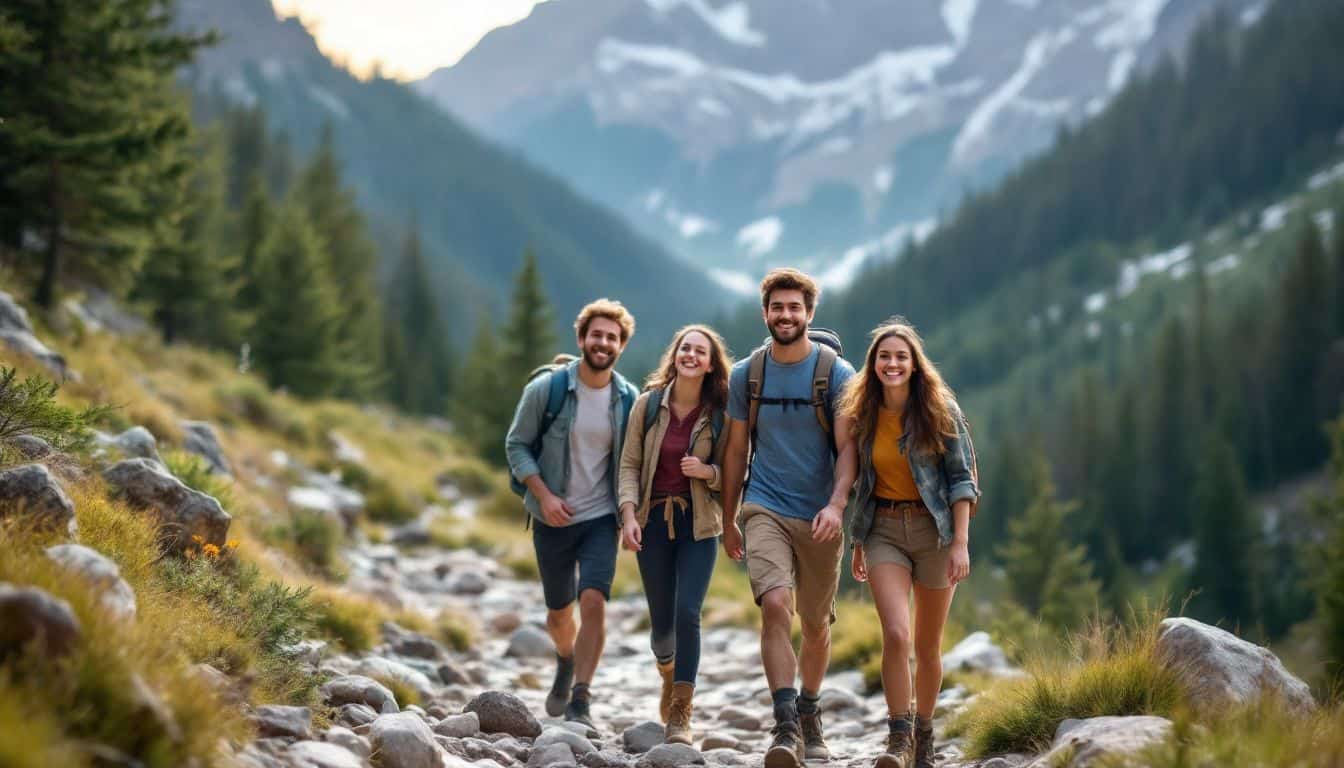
{"x": 910, "y": 541}
{"x": 781, "y": 553}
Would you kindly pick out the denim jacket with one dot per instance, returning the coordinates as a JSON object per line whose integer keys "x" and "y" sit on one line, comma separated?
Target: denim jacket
{"x": 553, "y": 462}
{"x": 942, "y": 481}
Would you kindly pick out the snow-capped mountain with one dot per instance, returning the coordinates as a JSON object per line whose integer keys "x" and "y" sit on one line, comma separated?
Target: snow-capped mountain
{"x": 818, "y": 132}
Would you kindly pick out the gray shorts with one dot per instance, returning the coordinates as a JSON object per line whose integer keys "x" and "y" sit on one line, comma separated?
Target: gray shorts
{"x": 910, "y": 541}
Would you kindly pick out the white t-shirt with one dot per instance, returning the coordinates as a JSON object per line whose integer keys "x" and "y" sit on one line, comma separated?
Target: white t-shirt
{"x": 590, "y": 443}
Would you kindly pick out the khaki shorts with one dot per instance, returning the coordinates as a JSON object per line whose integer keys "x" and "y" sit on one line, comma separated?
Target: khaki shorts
{"x": 910, "y": 541}
{"x": 781, "y": 553}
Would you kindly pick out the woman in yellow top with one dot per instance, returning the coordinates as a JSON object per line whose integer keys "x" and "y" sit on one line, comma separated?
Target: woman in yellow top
{"x": 915, "y": 495}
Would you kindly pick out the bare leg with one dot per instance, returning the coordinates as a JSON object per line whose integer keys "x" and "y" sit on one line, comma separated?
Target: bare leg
{"x": 890, "y": 584}
{"x": 592, "y": 635}
{"x": 562, "y": 629}
{"x": 930, "y": 615}
{"x": 781, "y": 666}
{"x": 815, "y": 655}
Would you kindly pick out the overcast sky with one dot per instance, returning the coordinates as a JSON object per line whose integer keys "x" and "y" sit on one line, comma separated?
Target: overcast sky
{"x": 411, "y": 38}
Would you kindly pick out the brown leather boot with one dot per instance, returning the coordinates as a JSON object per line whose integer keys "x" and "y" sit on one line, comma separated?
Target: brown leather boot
{"x": 900, "y": 751}
{"x": 678, "y": 729}
{"x": 665, "y": 701}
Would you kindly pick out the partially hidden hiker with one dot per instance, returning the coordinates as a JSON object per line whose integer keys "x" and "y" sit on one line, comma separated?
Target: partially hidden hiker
{"x": 802, "y": 464}
{"x": 564, "y": 454}
{"x": 914, "y": 498}
{"x": 671, "y": 516}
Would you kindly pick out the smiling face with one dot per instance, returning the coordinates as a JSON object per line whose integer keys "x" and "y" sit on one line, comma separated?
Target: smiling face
{"x": 693, "y": 358}
{"x": 601, "y": 343}
{"x": 893, "y": 362}
{"x": 787, "y": 316}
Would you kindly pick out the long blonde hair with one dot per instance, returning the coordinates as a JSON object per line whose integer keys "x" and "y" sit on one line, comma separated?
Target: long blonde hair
{"x": 928, "y": 412}
{"x": 714, "y": 387}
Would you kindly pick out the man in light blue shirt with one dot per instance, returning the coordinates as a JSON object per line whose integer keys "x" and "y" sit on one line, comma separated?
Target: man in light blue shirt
{"x": 802, "y": 467}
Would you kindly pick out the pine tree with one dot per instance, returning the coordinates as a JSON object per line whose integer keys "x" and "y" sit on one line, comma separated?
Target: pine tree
{"x": 1329, "y": 568}
{"x": 254, "y": 225}
{"x": 1301, "y": 333}
{"x": 1047, "y": 573}
{"x": 481, "y": 407}
{"x": 187, "y": 277}
{"x": 528, "y": 338}
{"x": 417, "y": 348}
{"x": 294, "y": 336}
{"x": 1224, "y": 538}
{"x": 351, "y": 262}
{"x": 1339, "y": 271}
{"x": 1169, "y": 455}
{"x": 91, "y": 124}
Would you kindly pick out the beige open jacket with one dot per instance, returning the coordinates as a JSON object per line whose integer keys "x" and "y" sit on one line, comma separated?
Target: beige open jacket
{"x": 639, "y": 459}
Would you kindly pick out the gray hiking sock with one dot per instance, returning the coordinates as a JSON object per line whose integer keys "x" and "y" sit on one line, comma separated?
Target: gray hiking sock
{"x": 809, "y": 703}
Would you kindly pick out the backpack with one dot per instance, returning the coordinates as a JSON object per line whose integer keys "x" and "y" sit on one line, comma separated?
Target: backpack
{"x": 830, "y": 349}
{"x": 651, "y": 417}
{"x": 558, "y": 388}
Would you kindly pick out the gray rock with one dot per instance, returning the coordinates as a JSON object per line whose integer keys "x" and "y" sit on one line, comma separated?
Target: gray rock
{"x": 226, "y": 687}
{"x": 417, "y": 645}
{"x": 199, "y": 437}
{"x": 13, "y": 317}
{"x": 32, "y": 490}
{"x": 30, "y": 447}
{"x": 278, "y": 721}
{"x": 480, "y": 749}
{"x": 459, "y": 726}
{"x": 641, "y": 738}
{"x": 16, "y": 332}
{"x": 452, "y": 674}
{"x": 529, "y": 642}
{"x": 502, "y": 712}
{"x": 182, "y": 512}
{"x": 387, "y": 669}
{"x": 356, "y": 715}
{"x": 511, "y": 747}
{"x": 840, "y": 700}
{"x": 403, "y": 740}
{"x": 468, "y": 583}
{"x": 321, "y": 754}
{"x": 148, "y": 706}
{"x": 134, "y": 443}
{"x": 723, "y": 757}
{"x": 1220, "y": 670}
{"x": 670, "y": 756}
{"x": 606, "y": 759}
{"x": 1081, "y": 743}
{"x": 579, "y": 745}
{"x": 739, "y": 718}
{"x": 1011, "y": 760}
{"x": 978, "y": 653}
{"x": 29, "y": 614}
{"x": 343, "y": 450}
{"x": 719, "y": 741}
{"x": 554, "y": 755}
{"x": 115, "y": 594}
{"x": 348, "y": 739}
{"x": 504, "y": 623}
{"x": 358, "y": 689}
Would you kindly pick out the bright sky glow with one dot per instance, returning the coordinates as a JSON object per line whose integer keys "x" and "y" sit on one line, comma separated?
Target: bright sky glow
{"x": 409, "y": 38}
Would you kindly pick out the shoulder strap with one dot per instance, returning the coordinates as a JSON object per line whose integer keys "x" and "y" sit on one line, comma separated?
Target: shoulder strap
{"x": 755, "y": 385}
{"x": 628, "y": 395}
{"x": 716, "y": 425}
{"x": 555, "y": 398}
{"x": 821, "y": 385}
{"x": 651, "y": 408}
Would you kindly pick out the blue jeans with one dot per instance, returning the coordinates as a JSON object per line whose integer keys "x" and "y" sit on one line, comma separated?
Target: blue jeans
{"x": 676, "y": 575}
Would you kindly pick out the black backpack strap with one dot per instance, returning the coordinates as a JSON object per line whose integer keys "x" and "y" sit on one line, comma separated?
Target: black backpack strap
{"x": 821, "y": 385}
{"x": 755, "y": 386}
{"x": 555, "y": 400}
{"x": 651, "y": 409}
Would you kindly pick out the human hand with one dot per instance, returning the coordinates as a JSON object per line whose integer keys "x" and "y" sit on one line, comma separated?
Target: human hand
{"x": 959, "y": 564}
{"x": 632, "y": 536}
{"x": 694, "y": 467}
{"x": 858, "y": 567}
{"x": 555, "y": 511}
{"x": 732, "y": 541}
{"x": 826, "y": 525}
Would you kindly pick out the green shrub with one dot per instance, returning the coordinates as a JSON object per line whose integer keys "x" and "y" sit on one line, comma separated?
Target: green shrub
{"x": 194, "y": 472}
{"x": 405, "y": 693}
{"x": 29, "y": 407}
{"x": 473, "y": 479}
{"x": 387, "y": 505}
{"x": 350, "y": 621}
{"x": 455, "y": 630}
{"x": 316, "y": 540}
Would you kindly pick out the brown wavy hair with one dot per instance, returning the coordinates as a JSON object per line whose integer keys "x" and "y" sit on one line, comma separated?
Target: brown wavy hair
{"x": 790, "y": 279}
{"x": 714, "y": 387}
{"x": 928, "y": 413}
{"x": 611, "y": 310}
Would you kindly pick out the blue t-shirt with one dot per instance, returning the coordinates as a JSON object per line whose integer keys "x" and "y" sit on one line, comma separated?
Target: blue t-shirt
{"x": 793, "y": 471}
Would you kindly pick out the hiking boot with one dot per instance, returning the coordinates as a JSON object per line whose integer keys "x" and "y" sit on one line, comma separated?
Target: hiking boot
{"x": 900, "y": 752}
{"x": 564, "y": 678}
{"x": 814, "y": 743}
{"x": 577, "y": 712}
{"x": 665, "y": 701}
{"x": 786, "y": 750}
{"x": 924, "y": 744}
{"x": 678, "y": 729}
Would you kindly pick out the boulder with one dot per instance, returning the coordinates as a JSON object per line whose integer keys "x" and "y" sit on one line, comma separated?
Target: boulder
{"x": 502, "y": 712}
{"x": 199, "y": 437}
{"x": 344, "y": 737}
{"x": 606, "y": 759}
{"x": 840, "y": 700}
{"x": 182, "y": 512}
{"x": 638, "y": 739}
{"x": 452, "y": 674}
{"x": 357, "y": 689}
{"x": 719, "y": 741}
{"x": 115, "y": 594}
{"x": 16, "y": 332}
{"x": 283, "y": 722}
{"x": 1101, "y": 740}
{"x": 387, "y": 669}
{"x": 977, "y": 653}
{"x": 31, "y": 490}
{"x": 28, "y": 615}
{"x": 30, "y": 447}
{"x": 459, "y": 726}
{"x": 579, "y": 745}
{"x": 554, "y": 755}
{"x": 402, "y": 740}
{"x": 356, "y": 715}
{"x": 529, "y": 642}
{"x": 468, "y": 583}
{"x": 1220, "y": 670}
{"x": 134, "y": 443}
{"x": 670, "y": 756}
{"x": 321, "y": 754}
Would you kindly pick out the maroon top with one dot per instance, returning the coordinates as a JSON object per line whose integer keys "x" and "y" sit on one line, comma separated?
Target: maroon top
{"x": 667, "y": 478}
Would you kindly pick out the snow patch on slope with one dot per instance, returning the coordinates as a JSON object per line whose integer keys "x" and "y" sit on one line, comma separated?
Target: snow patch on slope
{"x": 760, "y": 237}
{"x": 958, "y": 15}
{"x": 841, "y": 274}
{"x": 737, "y": 282}
{"x": 732, "y": 22}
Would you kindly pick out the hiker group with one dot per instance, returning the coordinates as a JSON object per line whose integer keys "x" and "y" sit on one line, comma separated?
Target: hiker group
{"x": 762, "y": 457}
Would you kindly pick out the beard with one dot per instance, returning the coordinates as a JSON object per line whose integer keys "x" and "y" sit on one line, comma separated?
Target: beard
{"x": 780, "y": 337}
{"x": 595, "y": 365}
